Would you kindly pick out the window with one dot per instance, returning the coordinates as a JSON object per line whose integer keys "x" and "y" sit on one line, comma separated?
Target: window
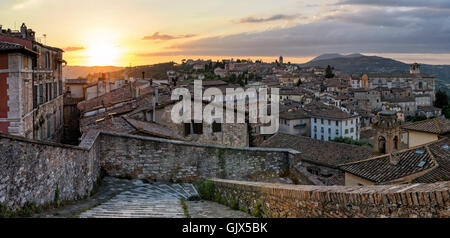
{"x": 187, "y": 129}
{"x": 329, "y": 131}
{"x": 198, "y": 128}
{"x": 50, "y": 91}
{"x": 46, "y": 93}
{"x": 55, "y": 90}
{"x": 315, "y": 120}
{"x": 60, "y": 87}
{"x": 352, "y": 130}
{"x": 321, "y": 121}
{"x": 337, "y": 123}
{"x": 35, "y": 101}
{"x": 346, "y": 131}
{"x": 41, "y": 93}
{"x": 216, "y": 127}
{"x": 25, "y": 62}
{"x": 193, "y": 128}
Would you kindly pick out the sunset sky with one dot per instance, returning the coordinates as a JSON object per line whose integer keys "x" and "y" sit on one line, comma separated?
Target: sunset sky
{"x": 136, "y": 32}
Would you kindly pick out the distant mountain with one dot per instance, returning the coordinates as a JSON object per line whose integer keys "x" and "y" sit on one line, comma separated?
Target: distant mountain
{"x": 71, "y": 72}
{"x": 360, "y": 64}
{"x": 335, "y": 56}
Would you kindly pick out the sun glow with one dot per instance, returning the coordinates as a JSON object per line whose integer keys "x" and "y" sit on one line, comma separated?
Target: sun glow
{"x": 103, "y": 50}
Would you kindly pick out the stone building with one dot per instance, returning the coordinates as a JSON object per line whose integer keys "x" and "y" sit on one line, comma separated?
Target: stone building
{"x": 387, "y": 133}
{"x": 295, "y": 122}
{"x": 32, "y": 85}
{"x": 423, "y": 132}
{"x": 419, "y": 83}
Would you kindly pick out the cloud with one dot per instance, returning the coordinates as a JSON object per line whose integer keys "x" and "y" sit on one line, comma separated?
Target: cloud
{"x": 399, "y": 3}
{"x": 164, "y": 37}
{"x": 268, "y": 19}
{"x": 22, "y": 4}
{"x": 376, "y": 30}
{"x": 74, "y": 48}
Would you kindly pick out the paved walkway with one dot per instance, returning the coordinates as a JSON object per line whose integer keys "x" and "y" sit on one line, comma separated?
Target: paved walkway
{"x": 122, "y": 198}
{"x": 144, "y": 200}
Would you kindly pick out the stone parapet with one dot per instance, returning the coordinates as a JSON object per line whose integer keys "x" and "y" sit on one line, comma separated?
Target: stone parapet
{"x": 278, "y": 200}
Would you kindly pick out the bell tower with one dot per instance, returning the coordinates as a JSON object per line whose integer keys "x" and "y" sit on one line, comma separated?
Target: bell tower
{"x": 387, "y": 133}
{"x": 414, "y": 68}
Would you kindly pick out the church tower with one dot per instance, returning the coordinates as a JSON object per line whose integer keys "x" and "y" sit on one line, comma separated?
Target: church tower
{"x": 414, "y": 68}
{"x": 387, "y": 133}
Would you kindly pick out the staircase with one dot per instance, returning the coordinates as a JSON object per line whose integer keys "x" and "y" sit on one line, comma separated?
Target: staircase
{"x": 145, "y": 200}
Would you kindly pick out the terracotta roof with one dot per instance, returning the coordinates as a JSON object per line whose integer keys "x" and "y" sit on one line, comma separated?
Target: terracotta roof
{"x": 436, "y": 126}
{"x": 153, "y": 129}
{"x": 398, "y": 76}
{"x": 294, "y": 114}
{"x": 7, "y": 46}
{"x": 442, "y": 157}
{"x": 427, "y": 163}
{"x": 321, "y": 110}
{"x": 324, "y": 153}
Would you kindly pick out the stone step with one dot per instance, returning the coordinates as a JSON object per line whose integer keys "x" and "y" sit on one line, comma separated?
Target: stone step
{"x": 142, "y": 200}
{"x": 190, "y": 188}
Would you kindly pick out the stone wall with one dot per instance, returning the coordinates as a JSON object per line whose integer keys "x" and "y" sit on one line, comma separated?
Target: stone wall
{"x": 33, "y": 171}
{"x": 303, "y": 201}
{"x": 167, "y": 160}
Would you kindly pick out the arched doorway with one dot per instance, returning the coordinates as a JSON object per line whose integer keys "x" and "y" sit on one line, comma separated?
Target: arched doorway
{"x": 396, "y": 143}
{"x": 382, "y": 145}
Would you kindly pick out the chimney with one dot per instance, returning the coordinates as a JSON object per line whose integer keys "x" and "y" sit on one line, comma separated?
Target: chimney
{"x": 155, "y": 103}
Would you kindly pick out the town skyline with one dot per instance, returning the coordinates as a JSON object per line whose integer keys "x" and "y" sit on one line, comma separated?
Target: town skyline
{"x": 92, "y": 35}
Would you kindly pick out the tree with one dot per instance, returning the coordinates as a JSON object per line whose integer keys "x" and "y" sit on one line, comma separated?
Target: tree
{"x": 442, "y": 99}
{"x": 329, "y": 72}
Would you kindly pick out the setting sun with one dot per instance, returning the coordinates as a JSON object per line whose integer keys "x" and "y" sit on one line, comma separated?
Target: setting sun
{"x": 103, "y": 55}
{"x": 102, "y": 49}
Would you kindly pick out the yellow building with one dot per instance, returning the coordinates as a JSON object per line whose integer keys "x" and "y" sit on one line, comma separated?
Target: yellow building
{"x": 427, "y": 131}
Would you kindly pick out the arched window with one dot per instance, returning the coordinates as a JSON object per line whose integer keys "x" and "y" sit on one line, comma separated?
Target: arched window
{"x": 382, "y": 145}
{"x": 396, "y": 143}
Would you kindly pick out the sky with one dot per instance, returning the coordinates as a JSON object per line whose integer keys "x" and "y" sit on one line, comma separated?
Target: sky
{"x": 137, "y": 32}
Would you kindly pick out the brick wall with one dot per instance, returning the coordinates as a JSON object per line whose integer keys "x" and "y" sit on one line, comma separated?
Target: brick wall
{"x": 303, "y": 201}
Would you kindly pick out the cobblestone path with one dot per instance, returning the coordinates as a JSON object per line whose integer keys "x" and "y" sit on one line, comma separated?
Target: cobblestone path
{"x": 144, "y": 200}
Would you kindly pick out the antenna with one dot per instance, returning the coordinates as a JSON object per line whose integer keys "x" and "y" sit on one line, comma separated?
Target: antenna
{"x": 45, "y": 38}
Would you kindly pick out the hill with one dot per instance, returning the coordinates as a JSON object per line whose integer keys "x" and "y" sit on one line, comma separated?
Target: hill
{"x": 71, "y": 72}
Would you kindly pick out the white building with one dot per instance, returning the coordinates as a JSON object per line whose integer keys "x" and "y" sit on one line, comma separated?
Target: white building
{"x": 332, "y": 123}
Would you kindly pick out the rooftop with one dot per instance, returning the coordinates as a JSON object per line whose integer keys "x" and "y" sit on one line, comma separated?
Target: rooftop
{"x": 436, "y": 126}
{"x": 325, "y": 153}
{"x": 426, "y": 163}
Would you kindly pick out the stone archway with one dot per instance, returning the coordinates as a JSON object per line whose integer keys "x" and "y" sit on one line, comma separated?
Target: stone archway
{"x": 382, "y": 145}
{"x": 396, "y": 143}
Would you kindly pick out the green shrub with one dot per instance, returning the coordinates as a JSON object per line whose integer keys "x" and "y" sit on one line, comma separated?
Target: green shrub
{"x": 234, "y": 204}
{"x": 206, "y": 190}
{"x": 257, "y": 210}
